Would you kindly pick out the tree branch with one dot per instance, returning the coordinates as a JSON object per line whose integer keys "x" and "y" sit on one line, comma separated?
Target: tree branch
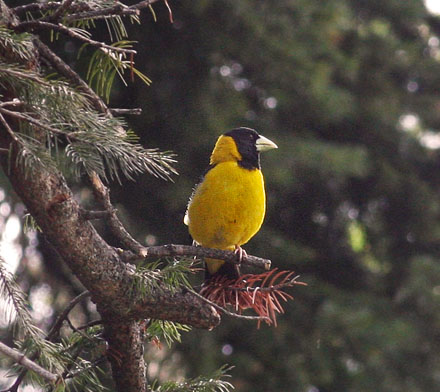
{"x": 111, "y": 282}
{"x": 117, "y": 10}
{"x": 21, "y": 359}
{"x": 92, "y": 215}
{"x": 118, "y": 112}
{"x": 9, "y": 129}
{"x": 64, "y": 6}
{"x": 82, "y": 11}
{"x": 98, "y": 266}
{"x": 31, "y": 120}
{"x": 188, "y": 250}
{"x": 227, "y": 312}
{"x": 64, "y": 314}
{"x": 63, "y": 69}
{"x": 102, "y": 194}
{"x": 51, "y": 335}
{"x": 33, "y": 7}
{"x": 39, "y": 25}
{"x": 125, "y": 353}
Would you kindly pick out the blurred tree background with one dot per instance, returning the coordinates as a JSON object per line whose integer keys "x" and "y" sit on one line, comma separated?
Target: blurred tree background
{"x": 349, "y": 90}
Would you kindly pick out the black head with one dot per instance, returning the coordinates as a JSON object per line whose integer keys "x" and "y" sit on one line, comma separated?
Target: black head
{"x": 246, "y": 139}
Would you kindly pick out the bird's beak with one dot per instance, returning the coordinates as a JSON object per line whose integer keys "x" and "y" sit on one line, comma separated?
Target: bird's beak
{"x": 264, "y": 144}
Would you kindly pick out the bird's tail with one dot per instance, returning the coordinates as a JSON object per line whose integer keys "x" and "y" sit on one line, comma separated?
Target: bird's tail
{"x": 216, "y": 267}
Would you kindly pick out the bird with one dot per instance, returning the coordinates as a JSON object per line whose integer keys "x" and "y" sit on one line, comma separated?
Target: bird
{"x": 227, "y": 207}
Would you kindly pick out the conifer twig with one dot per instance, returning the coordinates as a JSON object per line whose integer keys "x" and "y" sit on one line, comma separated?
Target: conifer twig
{"x": 9, "y": 129}
{"x": 225, "y": 311}
{"x": 100, "y": 190}
{"x": 38, "y": 25}
{"x": 74, "y": 329}
{"x": 31, "y": 120}
{"x": 64, "y": 314}
{"x": 83, "y": 11}
{"x": 92, "y": 365}
{"x": 90, "y": 324}
{"x": 118, "y": 112}
{"x": 118, "y": 9}
{"x": 15, "y": 102}
{"x": 102, "y": 194}
{"x": 51, "y": 335}
{"x": 21, "y": 359}
{"x": 33, "y": 7}
{"x": 92, "y": 215}
{"x": 63, "y": 69}
{"x": 64, "y": 6}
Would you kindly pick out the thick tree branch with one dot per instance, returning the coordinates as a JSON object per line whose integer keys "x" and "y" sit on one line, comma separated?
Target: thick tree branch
{"x": 21, "y": 359}
{"x": 100, "y": 269}
{"x": 125, "y": 353}
{"x": 97, "y": 265}
{"x": 111, "y": 282}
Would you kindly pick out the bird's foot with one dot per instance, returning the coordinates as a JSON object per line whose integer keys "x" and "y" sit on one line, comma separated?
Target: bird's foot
{"x": 241, "y": 253}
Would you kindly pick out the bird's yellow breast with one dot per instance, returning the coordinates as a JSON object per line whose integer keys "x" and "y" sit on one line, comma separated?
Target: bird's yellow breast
{"x": 227, "y": 208}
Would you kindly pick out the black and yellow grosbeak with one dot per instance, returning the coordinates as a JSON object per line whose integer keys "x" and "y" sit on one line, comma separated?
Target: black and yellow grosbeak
{"x": 227, "y": 207}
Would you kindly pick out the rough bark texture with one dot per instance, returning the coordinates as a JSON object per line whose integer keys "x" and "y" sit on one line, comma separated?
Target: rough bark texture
{"x": 98, "y": 266}
{"x": 128, "y": 365}
{"x": 100, "y": 269}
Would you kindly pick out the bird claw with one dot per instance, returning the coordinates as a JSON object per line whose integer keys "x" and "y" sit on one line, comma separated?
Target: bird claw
{"x": 240, "y": 252}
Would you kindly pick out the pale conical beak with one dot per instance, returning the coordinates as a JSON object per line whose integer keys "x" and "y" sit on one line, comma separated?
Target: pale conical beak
{"x": 264, "y": 144}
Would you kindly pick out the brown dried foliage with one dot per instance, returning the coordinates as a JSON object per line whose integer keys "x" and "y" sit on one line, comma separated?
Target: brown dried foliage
{"x": 263, "y": 293}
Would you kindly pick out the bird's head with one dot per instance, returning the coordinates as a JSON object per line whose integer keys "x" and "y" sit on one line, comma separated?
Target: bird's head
{"x": 242, "y": 145}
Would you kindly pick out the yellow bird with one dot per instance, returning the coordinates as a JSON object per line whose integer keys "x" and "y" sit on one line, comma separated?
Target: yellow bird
{"x": 227, "y": 207}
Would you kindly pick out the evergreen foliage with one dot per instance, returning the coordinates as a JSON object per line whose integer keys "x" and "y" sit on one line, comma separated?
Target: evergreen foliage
{"x": 64, "y": 357}
{"x": 57, "y": 118}
{"x": 214, "y": 383}
{"x": 55, "y": 124}
{"x": 15, "y": 305}
{"x": 347, "y": 89}
{"x": 353, "y": 202}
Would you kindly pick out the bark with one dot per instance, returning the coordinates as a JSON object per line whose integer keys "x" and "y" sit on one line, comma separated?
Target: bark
{"x": 99, "y": 266}
{"x": 101, "y": 270}
{"x": 96, "y": 264}
{"x": 21, "y": 359}
{"x": 128, "y": 365}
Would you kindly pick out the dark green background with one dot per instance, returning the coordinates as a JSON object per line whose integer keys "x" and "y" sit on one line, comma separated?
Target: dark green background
{"x": 353, "y": 191}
